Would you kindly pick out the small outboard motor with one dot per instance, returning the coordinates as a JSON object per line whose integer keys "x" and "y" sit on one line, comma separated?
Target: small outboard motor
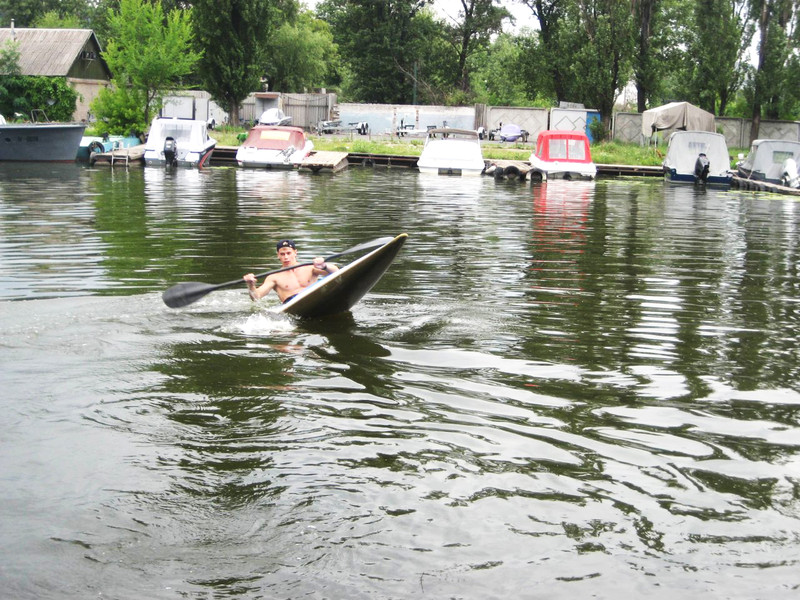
{"x": 701, "y": 168}
{"x": 170, "y": 151}
{"x": 789, "y": 175}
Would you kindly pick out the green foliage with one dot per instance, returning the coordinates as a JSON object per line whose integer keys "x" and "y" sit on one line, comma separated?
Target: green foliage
{"x": 233, "y": 35}
{"x": 27, "y": 13}
{"x": 602, "y": 49}
{"x": 9, "y": 59}
{"x": 119, "y": 111}
{"x": 498, "y": 81}
{"x": 23, "y": 94}
{"x": 148, "y": 51}
{"x": 382, "y": 44}
{"x": 598, "y": 130}
{"x": 301, "y": 54}
{"x": 53, "y": 20}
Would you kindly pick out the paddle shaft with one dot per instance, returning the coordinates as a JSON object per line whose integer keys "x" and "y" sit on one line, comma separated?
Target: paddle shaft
{"x": 183, "y": 294}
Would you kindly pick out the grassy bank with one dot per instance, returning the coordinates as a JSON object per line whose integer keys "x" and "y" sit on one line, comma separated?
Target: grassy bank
{"x": 607, "y": 153}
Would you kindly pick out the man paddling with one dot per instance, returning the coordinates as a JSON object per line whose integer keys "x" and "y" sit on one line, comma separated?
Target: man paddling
{"x": 287, "y": 284}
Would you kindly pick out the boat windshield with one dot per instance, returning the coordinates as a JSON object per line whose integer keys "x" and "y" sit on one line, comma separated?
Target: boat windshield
{"x": 564, "y": 149}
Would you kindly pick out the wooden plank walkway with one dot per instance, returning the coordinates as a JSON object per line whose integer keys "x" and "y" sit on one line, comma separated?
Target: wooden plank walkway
{"x": 762, "y": 186}
{"x": 331, "y": 162}
{"x": 121, "y": 157}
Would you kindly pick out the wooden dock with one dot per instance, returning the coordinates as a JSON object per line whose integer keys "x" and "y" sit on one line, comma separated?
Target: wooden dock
{"x": 122, "y": 157}
{"x": 743, "y": 183}
{"x": 330, "y": 162}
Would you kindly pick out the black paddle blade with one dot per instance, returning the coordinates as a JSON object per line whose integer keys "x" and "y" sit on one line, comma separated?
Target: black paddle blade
{"x": 184, "y": 294}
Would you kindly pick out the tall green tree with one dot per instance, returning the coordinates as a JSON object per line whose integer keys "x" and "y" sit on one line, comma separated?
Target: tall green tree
{"x": 302, "y": 55}
{"x": 477, "y": 22}
{"x": 498, "y": 80}
{"x": 547, "y": 63}
{"x": 715, "y": 54}
{"x": 777, "y": 49}
{"x": 148, "y": 51}
{"x": 602, "y": 36}
{"x": 382, "y": 43}
{"x": 234, "y": 37}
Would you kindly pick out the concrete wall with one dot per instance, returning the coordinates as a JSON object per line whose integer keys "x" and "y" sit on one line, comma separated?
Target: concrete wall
{"x": 532, "y": 120}
{"x": 386, "y": 118}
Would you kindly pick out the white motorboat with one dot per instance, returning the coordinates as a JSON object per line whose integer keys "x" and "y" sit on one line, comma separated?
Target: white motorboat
{"x": 178, "y": 142}
{"x": 698, "y": 157}
{"x": 449, "y": 151}
{"x": 274, "y": 147}
{"x": 772, "y": 161}
{"x": 274, "y": 116}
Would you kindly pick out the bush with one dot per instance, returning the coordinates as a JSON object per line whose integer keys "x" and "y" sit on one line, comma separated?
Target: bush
{"x": 118, "y": 111}
{"x": 598, "y": 130}
{"x": 24, "y": 94}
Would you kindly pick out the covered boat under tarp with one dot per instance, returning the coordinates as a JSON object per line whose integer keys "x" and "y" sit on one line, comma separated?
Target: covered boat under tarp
{"x": 274, "y": 147}
{"x": 773, "y": 161}
{"x": 698, "y": 157}
{"x": 339, "y": 291}
{"x": 676, "y": 115}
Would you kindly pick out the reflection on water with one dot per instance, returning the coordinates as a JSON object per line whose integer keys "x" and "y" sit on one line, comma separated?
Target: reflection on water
{"x": 588, "y": 386}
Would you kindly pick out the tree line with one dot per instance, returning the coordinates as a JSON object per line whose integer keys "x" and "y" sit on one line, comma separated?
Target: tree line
{"x": 730, "y": 57}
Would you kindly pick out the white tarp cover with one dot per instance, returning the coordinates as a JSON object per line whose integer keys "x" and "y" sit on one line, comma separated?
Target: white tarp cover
{"x": 685, "y": 146}
{"x": 677, "y": 115}
{"x": 767, "y": 157}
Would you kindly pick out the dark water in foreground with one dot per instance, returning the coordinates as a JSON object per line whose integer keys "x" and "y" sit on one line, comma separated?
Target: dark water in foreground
{"x": 562, "y": 391}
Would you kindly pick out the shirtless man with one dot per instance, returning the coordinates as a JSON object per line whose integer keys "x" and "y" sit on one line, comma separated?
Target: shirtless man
{"x": 287, "y": 284}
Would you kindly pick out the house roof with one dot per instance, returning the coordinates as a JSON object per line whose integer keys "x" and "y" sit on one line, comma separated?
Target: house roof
{"x": 49, "y": 52}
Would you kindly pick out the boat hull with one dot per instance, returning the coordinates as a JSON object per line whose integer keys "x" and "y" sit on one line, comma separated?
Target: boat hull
{"x": 155, "y": 158}
{"x": 718, "y": 181}
{"x": 339, "y": 291}
{"x": 40, "y": 142}
{"x": 562, "y": 170}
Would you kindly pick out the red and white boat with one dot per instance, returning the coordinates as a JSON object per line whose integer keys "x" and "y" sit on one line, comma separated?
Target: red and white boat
{"x": 274, "y": 147}
{"x": 562, "y": 155}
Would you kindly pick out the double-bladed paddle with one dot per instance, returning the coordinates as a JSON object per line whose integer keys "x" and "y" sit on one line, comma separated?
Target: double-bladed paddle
{"x": 184, "y": 294}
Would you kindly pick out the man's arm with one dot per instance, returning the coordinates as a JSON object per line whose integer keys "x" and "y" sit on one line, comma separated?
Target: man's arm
{"x": 321, "y": 268}
{"x": 258, "y": 292}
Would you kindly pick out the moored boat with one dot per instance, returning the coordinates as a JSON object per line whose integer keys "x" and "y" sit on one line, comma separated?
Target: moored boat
{"x": 91, "y": 144}
{"x": 562, "y": 155}
{"x": 274, "y": 147}
{"x": 340, "y": 290}
{"x": 40, "y": 142}
{"x": 772, "y": 161}
{"x": 698, "y": 157}
{"x": 449, "y": 151}
{"x": 178, "y": 142}
{"x": 274, "y": 116}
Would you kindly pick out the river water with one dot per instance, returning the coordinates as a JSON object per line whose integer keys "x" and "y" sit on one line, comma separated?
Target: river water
{"x": 564, "y": 390}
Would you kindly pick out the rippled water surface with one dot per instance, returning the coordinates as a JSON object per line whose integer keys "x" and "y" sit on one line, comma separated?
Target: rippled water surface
{"x": 565, "y": 390}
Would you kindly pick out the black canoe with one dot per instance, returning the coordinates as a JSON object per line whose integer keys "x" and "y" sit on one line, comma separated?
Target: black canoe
{"x": 339, "y": 291}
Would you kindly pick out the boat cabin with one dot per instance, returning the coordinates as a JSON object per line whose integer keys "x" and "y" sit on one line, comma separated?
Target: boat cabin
{"x": 563, "y": 146}
{"x": 275, "y": 138}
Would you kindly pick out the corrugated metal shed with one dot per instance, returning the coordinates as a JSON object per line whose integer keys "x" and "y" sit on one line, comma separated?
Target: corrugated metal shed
{"x": 55, "y": 52}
